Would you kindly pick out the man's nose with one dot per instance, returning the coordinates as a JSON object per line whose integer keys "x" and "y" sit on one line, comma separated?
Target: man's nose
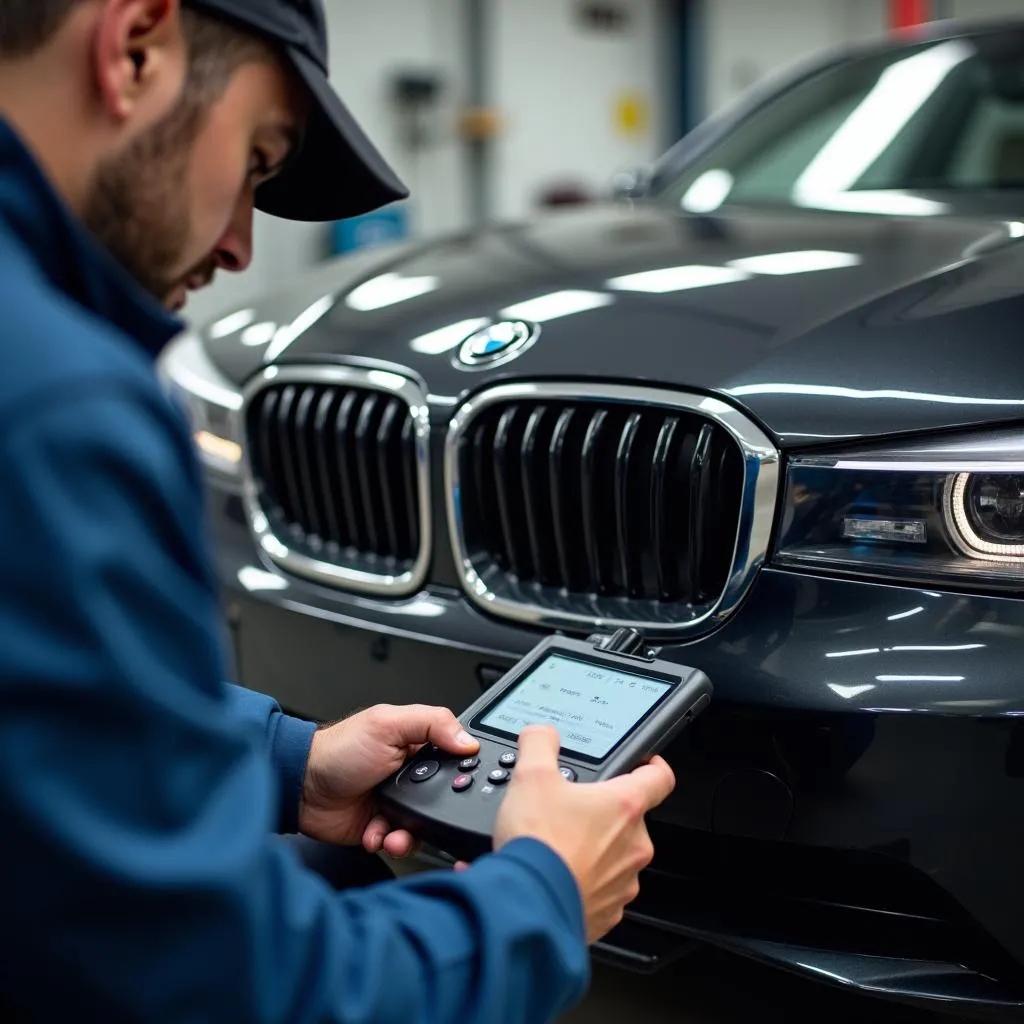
{"x": 234, "y": 250}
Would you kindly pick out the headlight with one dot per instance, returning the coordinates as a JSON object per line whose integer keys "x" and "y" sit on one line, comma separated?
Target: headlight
{"x": 211, "y": 402}
{"x": 946, "y": 511}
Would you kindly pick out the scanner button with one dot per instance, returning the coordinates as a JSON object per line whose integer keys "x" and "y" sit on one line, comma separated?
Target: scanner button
{"x": 467, "y": 764}
{"x": 498, "y": 776}
{"x": 424, "y": 770}
{"x": 567, "y": 773}
{"x": 508, "y": 759}
{"x": 462, "y": 782}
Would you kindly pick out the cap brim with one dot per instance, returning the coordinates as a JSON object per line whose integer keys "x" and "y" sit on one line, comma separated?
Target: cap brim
{"x": 338, "y": 172}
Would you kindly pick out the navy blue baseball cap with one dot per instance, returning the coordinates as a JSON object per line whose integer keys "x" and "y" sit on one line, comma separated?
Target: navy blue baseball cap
{"x": 338, "y": 171}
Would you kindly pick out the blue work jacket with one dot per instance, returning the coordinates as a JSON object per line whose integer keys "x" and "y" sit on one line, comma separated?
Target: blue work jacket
{"x": 139, "y": 792}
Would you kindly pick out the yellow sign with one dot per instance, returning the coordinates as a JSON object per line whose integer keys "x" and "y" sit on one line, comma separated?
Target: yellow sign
{"x": 632, "y": 114}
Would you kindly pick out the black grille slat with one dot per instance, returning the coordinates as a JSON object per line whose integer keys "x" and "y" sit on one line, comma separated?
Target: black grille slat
{"x": 305, "y": 458}
{"x": 608, "y": 510}
{"x": 344, "y": 443}
{"x": 564, "y": 504}
{"x": 537, "y": 497}
{"x": 336, "y": 468}
{"x": 506, "y": 488}
{"x": 590, "y": 475}
{"x": 292, "y": 494}
{"x": 666, "y": 563}
{"x": 698, "y": 490}
{"x": 327, "y": 467}
{"x": 267, "y": 449}
{"x": 627, "y": 548}
{"x": 482, "y": 502}
{"x": 410, "y": 503}
{"x": 366, "y": 466}
{"x": 389, "y": 473}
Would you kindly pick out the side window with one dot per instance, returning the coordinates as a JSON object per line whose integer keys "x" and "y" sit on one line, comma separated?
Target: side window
{"x": 772, "y": 171}
{"x": 990, "y": 153}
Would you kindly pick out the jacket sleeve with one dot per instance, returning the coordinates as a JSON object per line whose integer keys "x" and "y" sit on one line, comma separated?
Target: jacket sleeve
{"x": 288, "y": 740}
{"x": 138, "y": 804}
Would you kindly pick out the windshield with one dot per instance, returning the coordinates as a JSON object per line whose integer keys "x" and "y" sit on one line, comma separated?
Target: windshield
{"x": 873, "y": 134}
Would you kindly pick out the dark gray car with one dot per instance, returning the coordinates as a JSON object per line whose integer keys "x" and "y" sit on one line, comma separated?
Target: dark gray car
{"x": 767, "y": 408}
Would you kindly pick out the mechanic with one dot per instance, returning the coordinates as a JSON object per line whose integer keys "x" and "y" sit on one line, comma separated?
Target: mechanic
{"x": 139, "y": 792}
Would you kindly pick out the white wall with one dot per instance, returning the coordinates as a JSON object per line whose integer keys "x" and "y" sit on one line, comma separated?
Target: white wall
{"x": 984, "y": 8}
{"x": 557, "y": 87}
{"x": 745, "y": 40}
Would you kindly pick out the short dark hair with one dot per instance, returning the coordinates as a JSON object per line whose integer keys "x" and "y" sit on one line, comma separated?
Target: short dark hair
{"x": 216, "y": 49}
{"x": 25, "y": 25}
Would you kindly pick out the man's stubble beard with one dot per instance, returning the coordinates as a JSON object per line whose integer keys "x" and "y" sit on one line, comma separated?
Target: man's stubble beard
{"x": 137, "y": 207}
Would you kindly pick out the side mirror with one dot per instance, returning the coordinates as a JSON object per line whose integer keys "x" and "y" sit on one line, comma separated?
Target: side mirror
{"x": 631, "y": 184}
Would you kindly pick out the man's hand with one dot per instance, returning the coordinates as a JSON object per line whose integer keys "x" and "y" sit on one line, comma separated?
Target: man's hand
{"x": 596, "y": 827}
{"x": 349, "y": 759}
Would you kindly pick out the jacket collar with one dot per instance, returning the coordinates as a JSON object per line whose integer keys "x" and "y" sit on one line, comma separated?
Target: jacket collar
{"x": 67, "y": 253}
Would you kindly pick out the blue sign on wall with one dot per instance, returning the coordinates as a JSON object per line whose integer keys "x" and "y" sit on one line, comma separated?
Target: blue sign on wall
{"x": 371, "y": 229}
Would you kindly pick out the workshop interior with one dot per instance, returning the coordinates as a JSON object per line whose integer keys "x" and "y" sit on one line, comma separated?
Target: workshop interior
{"x": 690, "y": 378}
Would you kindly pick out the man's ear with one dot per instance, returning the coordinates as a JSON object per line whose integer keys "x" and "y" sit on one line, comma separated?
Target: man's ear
{"x": 139, "y": 58}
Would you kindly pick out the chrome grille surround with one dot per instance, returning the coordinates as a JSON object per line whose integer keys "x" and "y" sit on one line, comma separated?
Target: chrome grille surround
{"x": 339, "y": 573}
{"x": 499, "y": 595}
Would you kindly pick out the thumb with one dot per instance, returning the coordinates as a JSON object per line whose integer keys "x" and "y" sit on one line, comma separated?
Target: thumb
{"x": 538, "y": 748}
{"x": 414, "y": 724}
{"x": 654, "y": 781}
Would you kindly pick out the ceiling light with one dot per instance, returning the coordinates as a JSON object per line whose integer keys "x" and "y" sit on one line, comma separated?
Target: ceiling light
{"x": 799, "y": 262}
{"x": 708, "y": 192}
{"x": 886, "y": 202}
{"x": 677, "y": 279}
{"x": 850, "y": 692}
{"x": 389, "y": 290}
{"x": 557, "y": 304}
{"x": 444, "y": 339}
{"x": 285, "y": 336}
{"x": 232, "y": 324}
{"x": 259, "y": 334}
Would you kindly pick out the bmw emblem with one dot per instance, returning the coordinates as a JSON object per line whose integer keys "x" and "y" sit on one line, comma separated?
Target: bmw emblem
{"x": 496, "y": 344}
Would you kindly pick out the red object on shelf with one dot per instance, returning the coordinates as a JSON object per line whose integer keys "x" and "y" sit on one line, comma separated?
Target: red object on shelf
{"x": 905, "y": 14}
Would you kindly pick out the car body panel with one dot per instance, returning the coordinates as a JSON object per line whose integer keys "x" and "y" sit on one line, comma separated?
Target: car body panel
{"x": 770, "y": 343}
{"x": 852, "y": 805}
{"x": 896, "y": 770}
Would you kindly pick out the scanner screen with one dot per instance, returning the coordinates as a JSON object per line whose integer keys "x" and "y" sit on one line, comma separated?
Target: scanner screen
{"x": 593, "y": 705}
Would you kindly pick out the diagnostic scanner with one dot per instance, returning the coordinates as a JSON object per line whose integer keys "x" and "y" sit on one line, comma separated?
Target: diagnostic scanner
{"x": 613, "y": 701}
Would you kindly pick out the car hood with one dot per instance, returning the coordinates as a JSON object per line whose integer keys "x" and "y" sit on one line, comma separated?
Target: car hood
{"x": 858, "y": 326}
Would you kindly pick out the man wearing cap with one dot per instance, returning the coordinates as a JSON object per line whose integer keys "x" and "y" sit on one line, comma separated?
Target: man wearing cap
{"x": 139, "y": 792}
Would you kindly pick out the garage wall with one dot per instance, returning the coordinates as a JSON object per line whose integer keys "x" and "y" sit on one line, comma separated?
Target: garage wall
{"x": 984, "y": 8}
{"x": 749, "y": 39}
{"x": 559, "y": 84}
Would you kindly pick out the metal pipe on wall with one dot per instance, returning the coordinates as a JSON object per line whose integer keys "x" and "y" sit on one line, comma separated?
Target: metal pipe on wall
{"x": 478, "y": 144}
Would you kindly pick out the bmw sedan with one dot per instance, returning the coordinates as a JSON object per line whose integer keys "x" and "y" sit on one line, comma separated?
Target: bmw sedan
{"x": 766, "y": 406}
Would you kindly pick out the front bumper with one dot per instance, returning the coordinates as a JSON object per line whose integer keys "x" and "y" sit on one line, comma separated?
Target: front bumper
{"x": 851, "y": 806}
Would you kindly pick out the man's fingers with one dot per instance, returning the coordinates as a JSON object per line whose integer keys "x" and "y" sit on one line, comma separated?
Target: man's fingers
{"x": 415, "y": 724}
{"x": 538, "y": 748}
{"x": 374, "y": 835}
{"x": 654, "y": 781}
{"x": 399, "y": 845}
